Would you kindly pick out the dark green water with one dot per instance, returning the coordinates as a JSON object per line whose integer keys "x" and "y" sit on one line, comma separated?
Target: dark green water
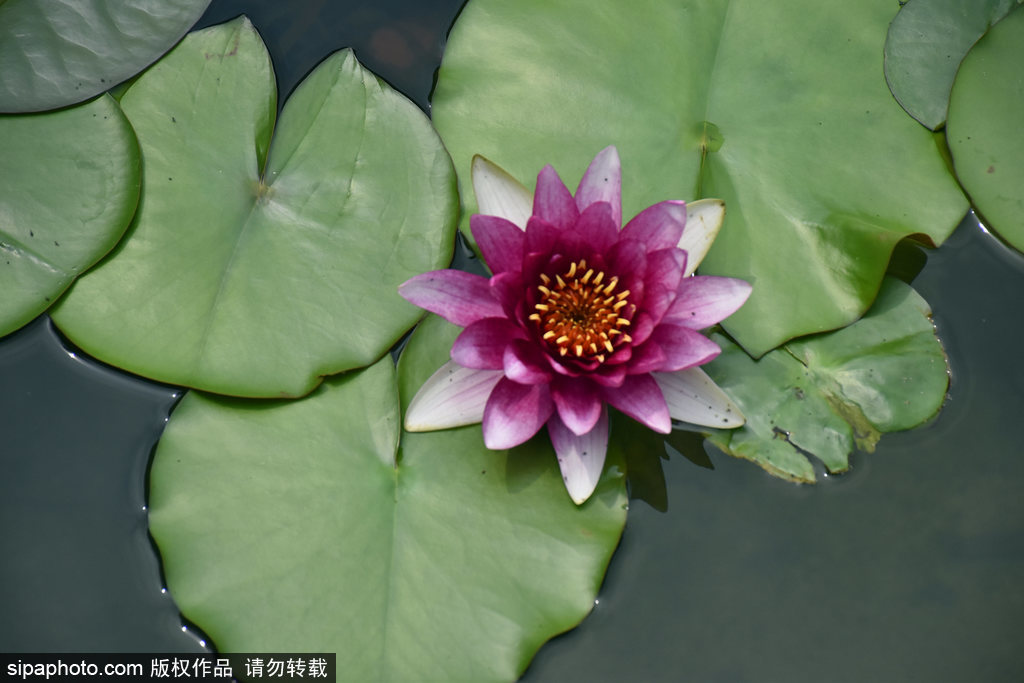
{"x": 909, "y": 568}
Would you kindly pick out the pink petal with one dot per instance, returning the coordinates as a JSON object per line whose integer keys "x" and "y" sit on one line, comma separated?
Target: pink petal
{"x": 458, "y": 297}
{"x": 580, "y": 457}
{"x": 481, "y": 345}
{"x": 627, "y": 259}
{"x": 603, "y": 183}
{"x": 597, "y": 227}
{"x": 508, "y": 289}
{"x": 641, "y": 329}
{"x": 541, "y": 236}
{"x": 664, "y": 271}
{"x": 552, "y": 200}
{"x": 578, "y": 402}
{"x": 610, "y": 375}
{"x": 683, "y": 347}
{"x": 499, "y": 194}
{"x": 515, "y": 412}
{"x": 641, "y": 399}
{"x": 692, "y": 397}
{"x": 524, "y": 363}
{"x": 500, "y": 242}
{"x": 453, "y": 396}
{"x": 704, "y": 300}
{"x": 659, "y": 226}
{"x": 647, "y": 358}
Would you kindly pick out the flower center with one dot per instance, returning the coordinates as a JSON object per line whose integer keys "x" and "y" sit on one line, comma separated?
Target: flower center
{"x": 579, "y": 312}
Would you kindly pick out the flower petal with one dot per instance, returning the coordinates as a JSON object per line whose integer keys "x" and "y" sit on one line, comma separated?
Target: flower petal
{"x": 499, "y": 194}
{"x": 683, "y": 347}
{"x": 646, "y": 358}
{"x": 452, "y": 397}
{"x": 704, "y": 300}
{"x": 641, "y": 399}
{"x": 500, "y": 241}
{"x": 703, "y": 221}
{"x": 552, "y": 200}
{"x": 693, "y": 397}
{"x": 597, "y": 228}
{"x": 603, "y": 183}
{"x": 515, "y": 412}
{"x": 664, "y": 271}
{"x": 507, "y": 288}
{"x": 481, "y": 345}
{"x": 525, "y": 363}
{"x": 659, "y": 226}
{"x": 578, "y": 402}
{"x": 541, "y": 236}
{"x": 580, "y": 457}
{"x": 458, "y": 297}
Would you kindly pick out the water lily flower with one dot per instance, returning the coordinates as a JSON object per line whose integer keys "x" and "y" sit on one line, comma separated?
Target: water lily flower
{"x": 578, "y": 315}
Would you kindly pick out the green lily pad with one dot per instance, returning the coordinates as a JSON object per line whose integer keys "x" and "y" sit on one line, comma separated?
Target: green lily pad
{"x": 778, "y": 107}
{"x": 986, "y": 110}
{"x": 60, "y": 52}
{"x": 926, "y": 43}
{"x": 827, "y": 394}
{"x": 306, "y": 526}
{"x": 70, "y": 186}
{"x": 253, "y": 273}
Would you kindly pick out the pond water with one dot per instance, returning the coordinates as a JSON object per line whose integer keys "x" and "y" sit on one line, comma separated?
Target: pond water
{"x": 907, "y": 568}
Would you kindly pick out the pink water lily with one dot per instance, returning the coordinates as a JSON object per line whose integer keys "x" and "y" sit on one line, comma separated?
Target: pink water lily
{"x": 578, "y": 315}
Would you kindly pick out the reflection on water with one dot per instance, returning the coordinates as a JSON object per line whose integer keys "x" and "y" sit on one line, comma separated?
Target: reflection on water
{"x": 906, "y": 568}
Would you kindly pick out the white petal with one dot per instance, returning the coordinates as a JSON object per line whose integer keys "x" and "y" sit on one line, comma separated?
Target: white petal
{"x": 581, "y": 458}
{"x": 703, "y": 221}
{"x": 499, "y": 194}
{"x": 453, "y": 396}
{"x": 693, "y": 397}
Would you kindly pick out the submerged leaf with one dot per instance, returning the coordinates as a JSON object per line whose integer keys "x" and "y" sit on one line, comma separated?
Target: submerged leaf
{"x": 985, "y": 135}
{"x": 254, "y": 267}
{"x": 825, "y": 395}
{"x": 70, "y": 186}
{"x": 796, "y": 135}
{"x": 60, "y": 52}
{"x": 286, "y": 526}
{"x": 925, "y": 45}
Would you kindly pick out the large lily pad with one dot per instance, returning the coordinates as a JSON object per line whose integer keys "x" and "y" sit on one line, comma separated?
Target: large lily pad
{"x": 254, "y": 274}
{"x": 60, "y": 52}
{"x": 986, "y": 110}
{"x": 306, "y": 525}
{"x": 926, "y": 43}
{"x": 825, "y": 395}
{"x": 778, "y": 107}
{"x": 70, "y": 186}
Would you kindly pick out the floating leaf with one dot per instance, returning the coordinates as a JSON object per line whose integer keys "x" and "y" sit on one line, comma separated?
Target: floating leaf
{"x": 778, "y": 107}
{"x": 256, "y": 282}
{"x": 926, "y": 43}
{"x": 60, "y": 52}
{"x": 288, "y": 526}
{"x": 70, "y": 187}
{"x": 824, "y": 395}
{"x": 986, "y": 110}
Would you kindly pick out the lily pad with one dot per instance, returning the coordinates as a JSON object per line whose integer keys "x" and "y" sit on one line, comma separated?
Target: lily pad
{"x": 306, "y": 525}
{"x": 823, "y": 396}
{"x": 986, "y": 110}
{"x": 60, "y": 52}
{"x": 253, "y": 273}
{"x": 71, "y": 185}
{"x": 715, "y": 98}
{"x": 926, "y": 43}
